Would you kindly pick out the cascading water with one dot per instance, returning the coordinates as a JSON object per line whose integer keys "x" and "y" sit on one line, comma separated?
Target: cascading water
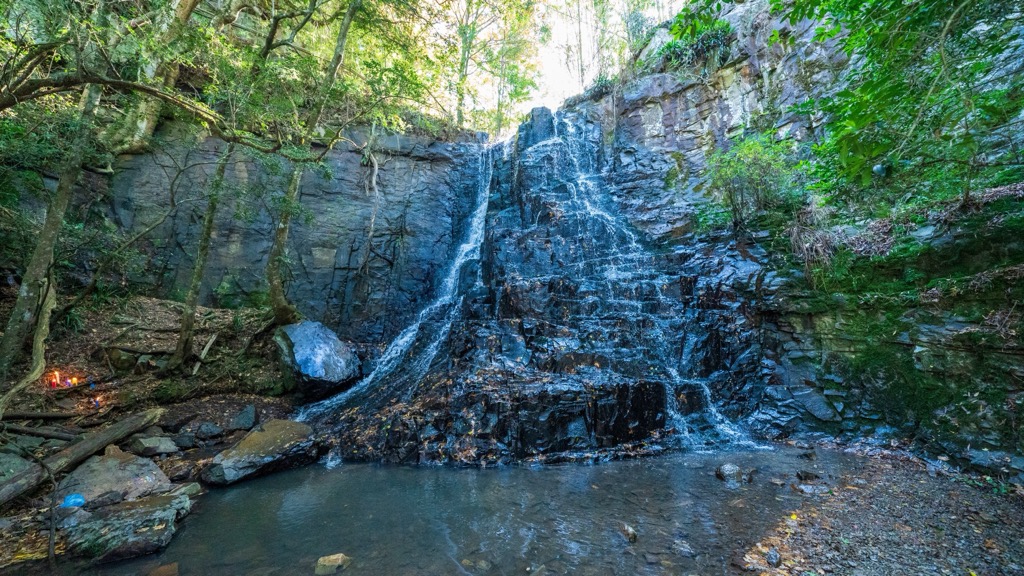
{"x": 570, "y": 344}
{"x": 416, "y": 347}
{"x": 628, "y": 268}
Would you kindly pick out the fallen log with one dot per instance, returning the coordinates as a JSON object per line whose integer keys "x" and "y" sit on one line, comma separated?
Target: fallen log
{"x": 34, "y": 475}
{"x": 38, "y": 432}
{"x": 16, "y": 415}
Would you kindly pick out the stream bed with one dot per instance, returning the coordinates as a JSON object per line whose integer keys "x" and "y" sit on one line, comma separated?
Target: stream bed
{"x": 564, "y": 519}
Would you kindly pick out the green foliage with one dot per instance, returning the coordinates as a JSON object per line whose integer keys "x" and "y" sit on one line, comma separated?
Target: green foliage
{"x": 710, "y": 217}
{"x": 755, "y": 175}
{"x": 705, "y": 43}
{"x": 173, "y": 390}
{"x": 936, "y": 93}
{"x": 987, "y": 483}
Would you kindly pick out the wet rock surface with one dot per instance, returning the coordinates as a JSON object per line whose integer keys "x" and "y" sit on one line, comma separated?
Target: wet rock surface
{"x": 273, "y": 445}
{"x": 576, "y": 335}
{"x": 486, "y": 422}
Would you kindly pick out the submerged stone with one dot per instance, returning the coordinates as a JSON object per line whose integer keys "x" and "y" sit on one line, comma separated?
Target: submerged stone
{"x": 331, "y": 564}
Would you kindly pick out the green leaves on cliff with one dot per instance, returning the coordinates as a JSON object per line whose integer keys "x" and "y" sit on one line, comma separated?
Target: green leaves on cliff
{"x": 755, "y": 175}
{"x": 932, "y": 85}
{"x": 696, "y": 42}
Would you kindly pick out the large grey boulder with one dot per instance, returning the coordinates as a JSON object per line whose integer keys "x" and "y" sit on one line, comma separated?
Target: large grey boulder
{"x": 273, "y": 445}
{"x": 128, "y": 529}
{"x": 321, "y": 363}
{"x": 116, "y": 476}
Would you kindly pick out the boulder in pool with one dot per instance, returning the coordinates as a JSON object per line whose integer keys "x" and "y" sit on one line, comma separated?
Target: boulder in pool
{"x": 320, "y": 363}
{"x": 273, "y": 445}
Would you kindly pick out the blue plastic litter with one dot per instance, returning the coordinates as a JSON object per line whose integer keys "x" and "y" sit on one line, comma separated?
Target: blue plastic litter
{"x": 73, "y": 500}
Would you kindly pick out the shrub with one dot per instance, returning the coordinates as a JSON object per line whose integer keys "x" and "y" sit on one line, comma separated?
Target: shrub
{"x": 707, "y": 44}
{"x": 755, "y": 175}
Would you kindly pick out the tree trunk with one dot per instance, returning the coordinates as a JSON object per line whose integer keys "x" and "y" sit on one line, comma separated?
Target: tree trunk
{"x": 32, "y": 476}
{"x": 141, "y": 119}
{"x": 284, "y": 311}
{"x": 38, "y": 364}
{"x": 460, "y": 82}
{"x": 34, "y": 281}
{"x": 183, "y": 350}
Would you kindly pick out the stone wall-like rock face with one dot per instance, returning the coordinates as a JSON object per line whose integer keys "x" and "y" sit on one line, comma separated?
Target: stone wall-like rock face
{"x": 365, "y": 290}
{"x": 772, "y": 352}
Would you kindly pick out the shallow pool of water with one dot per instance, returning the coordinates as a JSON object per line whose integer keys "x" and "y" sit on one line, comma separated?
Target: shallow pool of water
{"x": 514, "y": 520}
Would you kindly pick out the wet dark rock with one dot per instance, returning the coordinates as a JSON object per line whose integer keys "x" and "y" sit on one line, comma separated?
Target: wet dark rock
{"x": 273, "y": 445}
{"x": 321, "y": 363}
{"x": 629, "y": 533}
{"x": 207, "y": 430}
{"x": 807, "y": 476}
{"x": 185, "y": 440}
{"x": 729, "y": 472}
{"x": 520, "y": 420}
{"x": 733, "y": 475}
{"x": 816, "y": 403}
{"x": 812, "y": 489}
{"x": 128, "y": 529}
{"x": 539, "y": 127}
{"x": 245, "y": 419}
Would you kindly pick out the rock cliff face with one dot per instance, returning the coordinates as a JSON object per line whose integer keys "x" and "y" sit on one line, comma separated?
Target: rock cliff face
{"x": 366, "y": 288}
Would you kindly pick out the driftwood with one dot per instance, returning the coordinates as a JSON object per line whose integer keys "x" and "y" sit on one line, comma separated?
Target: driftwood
{"x": 202, "y": 355}
{"x": 17, "y": 415}
{"x": 35, "y": 474}
{"x": 40, "y": 432}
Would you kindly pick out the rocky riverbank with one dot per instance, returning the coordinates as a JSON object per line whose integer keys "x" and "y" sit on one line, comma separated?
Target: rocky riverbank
{"x": 898, "y": 515}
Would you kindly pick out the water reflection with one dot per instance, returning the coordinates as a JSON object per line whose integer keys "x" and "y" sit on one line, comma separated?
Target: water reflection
{"x": 544, "y": 520}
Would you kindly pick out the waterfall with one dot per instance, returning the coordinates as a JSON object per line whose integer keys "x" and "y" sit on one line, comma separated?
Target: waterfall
{"x": 574, "y": 345}
{"x": 627, "y": 269}
{"x": 417, "y": 346}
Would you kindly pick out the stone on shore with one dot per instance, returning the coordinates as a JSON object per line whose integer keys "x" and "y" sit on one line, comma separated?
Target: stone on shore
{"x": 152, "y": 446}
{"x": 116, "y": 476}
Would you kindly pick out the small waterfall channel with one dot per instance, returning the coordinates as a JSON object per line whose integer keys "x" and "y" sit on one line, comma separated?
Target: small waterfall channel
{"x": 415, "y": 348}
